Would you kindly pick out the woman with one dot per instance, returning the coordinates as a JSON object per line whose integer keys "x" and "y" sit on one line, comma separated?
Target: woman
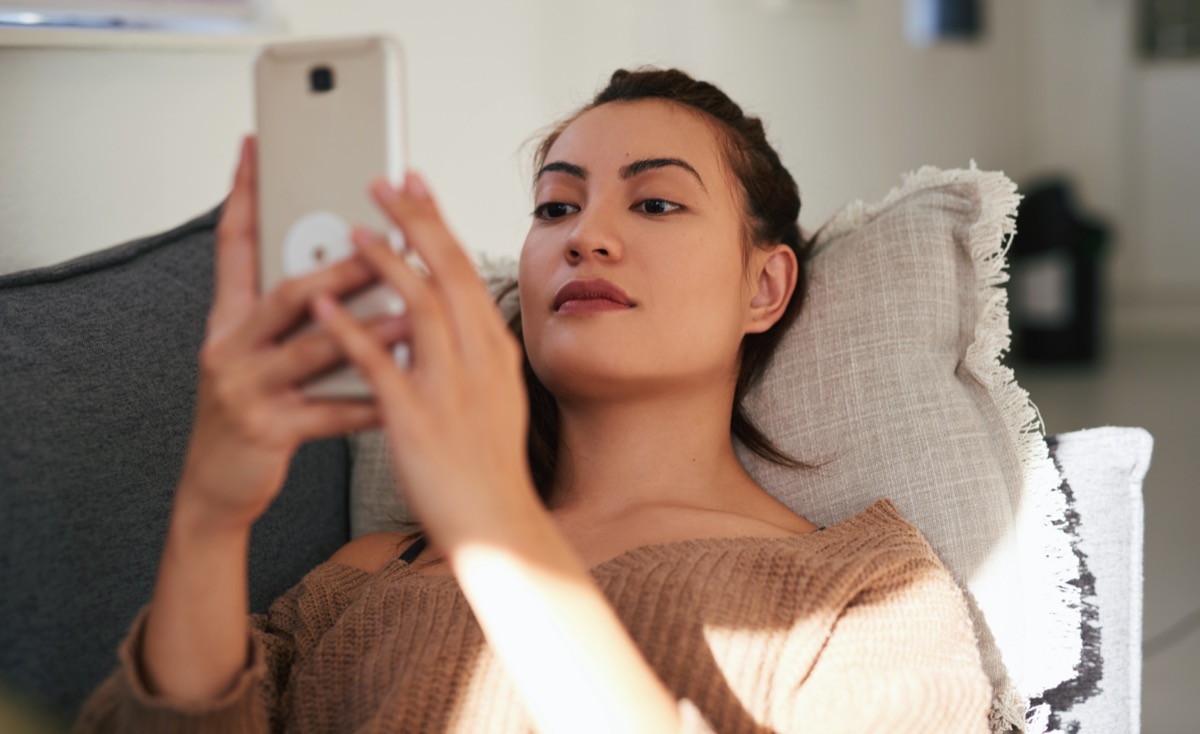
{"x": 613, "y": 568}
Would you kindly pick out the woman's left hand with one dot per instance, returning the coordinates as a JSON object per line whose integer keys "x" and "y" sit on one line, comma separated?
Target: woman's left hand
{"x": 456, "y": 422}
{"x": 456, "y": 418}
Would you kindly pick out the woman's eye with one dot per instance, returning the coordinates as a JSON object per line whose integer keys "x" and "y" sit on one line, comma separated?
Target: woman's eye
{"x": 554, "y": 210}
{"x": 656, "y": 206}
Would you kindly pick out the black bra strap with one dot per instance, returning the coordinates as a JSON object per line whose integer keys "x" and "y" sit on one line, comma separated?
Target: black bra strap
{"x": 411, "y": 552}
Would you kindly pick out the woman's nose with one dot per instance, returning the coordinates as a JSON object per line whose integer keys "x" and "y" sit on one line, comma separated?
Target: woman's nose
{"x": 577, "y": 252}
{"x": 592, "y": 239}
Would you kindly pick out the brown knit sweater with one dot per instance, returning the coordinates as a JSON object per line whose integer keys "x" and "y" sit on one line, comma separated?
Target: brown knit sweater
{"x": 857, "y": 628}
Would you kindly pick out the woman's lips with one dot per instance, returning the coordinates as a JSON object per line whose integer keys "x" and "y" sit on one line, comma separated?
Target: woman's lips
{"x": 591, "y": 295}
{"x": 588, "y": 305}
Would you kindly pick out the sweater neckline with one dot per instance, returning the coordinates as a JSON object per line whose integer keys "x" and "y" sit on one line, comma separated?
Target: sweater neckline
{"x": 880, "y": 512}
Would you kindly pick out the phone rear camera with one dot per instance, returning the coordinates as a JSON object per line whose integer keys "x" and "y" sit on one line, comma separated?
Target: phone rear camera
{"x": 320, "y": 79}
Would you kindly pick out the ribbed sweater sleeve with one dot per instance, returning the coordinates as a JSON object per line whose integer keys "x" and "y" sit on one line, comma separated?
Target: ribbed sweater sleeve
{"x": 862, "y": 629}
{"x": 258, "y": 699}
{"x": 902, "y": 657}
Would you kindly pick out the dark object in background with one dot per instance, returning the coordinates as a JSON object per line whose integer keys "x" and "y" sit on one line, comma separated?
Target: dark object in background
{"x": 931, "y": 21}
{"x": 1055, "y": 294}
{"x": 1169, "y": 29}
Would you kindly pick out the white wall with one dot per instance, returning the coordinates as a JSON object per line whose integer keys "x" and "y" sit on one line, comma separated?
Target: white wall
{"x": 98, "y": 145}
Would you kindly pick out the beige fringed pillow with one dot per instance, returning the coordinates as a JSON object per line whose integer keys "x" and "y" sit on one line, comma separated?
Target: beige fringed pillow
{"x": 892, "y": 376}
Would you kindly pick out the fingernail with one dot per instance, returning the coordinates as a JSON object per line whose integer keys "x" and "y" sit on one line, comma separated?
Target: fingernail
{"x": 322, "y": 307}
{"x": 243, "y": 155}
{"x": 414, "y": 186}
{"x": 383, "y": 188}
{"x": 360, "y": 236}
{"x": 394, "y": 327}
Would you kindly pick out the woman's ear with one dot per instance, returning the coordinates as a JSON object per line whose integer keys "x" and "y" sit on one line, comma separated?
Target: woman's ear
{"x": 774, "y": 273}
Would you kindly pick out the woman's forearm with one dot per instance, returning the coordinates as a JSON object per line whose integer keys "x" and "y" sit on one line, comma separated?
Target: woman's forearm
{"x": 568, "y": 652}
{"x": 197, "y": 627}
{"x": 247, "y": 427}
{"x": 457, "y": 422}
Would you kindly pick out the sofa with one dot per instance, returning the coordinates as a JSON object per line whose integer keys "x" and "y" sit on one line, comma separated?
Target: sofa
{"x": 98, "y": 357}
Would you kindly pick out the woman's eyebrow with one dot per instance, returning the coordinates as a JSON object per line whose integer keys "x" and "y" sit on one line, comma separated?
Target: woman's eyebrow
{"x": 649, "y": 164}
{"x": 628, "y": 171}
{"x": 570, "y": 169}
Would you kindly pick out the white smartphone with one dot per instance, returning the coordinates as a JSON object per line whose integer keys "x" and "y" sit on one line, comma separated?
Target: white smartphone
{"x": 329, "y": 119}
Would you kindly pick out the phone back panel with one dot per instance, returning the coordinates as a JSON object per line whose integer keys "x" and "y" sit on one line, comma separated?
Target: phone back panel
{"x": 318, "y": 150}
{"x": 320, "y": 142}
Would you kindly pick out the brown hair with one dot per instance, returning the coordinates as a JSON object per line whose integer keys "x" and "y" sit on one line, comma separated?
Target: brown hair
{"x": 772, "y": 207}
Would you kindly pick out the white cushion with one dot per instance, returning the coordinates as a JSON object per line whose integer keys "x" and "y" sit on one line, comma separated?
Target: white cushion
{"x": 1102, "y": 470}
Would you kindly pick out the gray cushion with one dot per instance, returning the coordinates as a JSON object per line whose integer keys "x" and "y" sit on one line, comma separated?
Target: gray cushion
{"x": 98, "y": 357}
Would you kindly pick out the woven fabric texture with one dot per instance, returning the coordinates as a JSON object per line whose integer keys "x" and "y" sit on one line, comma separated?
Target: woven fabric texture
{"x": 99, "y": 364}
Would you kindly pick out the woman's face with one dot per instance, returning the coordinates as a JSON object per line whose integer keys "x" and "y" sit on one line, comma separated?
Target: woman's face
{"x": 632, "y": 277}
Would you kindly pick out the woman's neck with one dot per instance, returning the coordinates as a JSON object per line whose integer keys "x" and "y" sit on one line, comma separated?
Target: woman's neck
{"x": 615, "y": 456}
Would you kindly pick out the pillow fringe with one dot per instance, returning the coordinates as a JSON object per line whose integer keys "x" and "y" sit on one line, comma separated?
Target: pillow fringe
{"x": 1052, "y": 603}
{"x": 1008, "y": 713}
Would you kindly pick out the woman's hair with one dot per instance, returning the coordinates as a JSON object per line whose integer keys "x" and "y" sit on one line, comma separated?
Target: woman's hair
{"x": 771, "y": 207}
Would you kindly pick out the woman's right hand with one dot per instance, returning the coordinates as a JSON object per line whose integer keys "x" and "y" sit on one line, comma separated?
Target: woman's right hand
{"x": 251, "y": 414}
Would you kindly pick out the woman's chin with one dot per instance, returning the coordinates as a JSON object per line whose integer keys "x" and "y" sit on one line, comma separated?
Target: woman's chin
{"x": 612, "y": 380}
{"x": 601, "y": 376}
{"x": 616, "y": 365}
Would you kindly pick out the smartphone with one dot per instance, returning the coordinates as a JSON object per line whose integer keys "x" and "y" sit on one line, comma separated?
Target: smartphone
{"x": 329, "y": 118}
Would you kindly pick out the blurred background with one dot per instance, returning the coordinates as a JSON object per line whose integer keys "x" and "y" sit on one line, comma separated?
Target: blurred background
{"x": 1092, "y": 106}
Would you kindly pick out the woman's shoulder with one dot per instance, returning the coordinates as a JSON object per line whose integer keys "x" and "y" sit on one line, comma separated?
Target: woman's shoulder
{"x": 372, "y": 551}
{"x": 780, "y": 582}
{"x": 883, "y": 519}
{"x": 874, "y": 548}
{"x": 879, "y": 537}
{"x": 881, "y": 551}
{"x": 879, "y": 528}
{"x": 344, "y": 574}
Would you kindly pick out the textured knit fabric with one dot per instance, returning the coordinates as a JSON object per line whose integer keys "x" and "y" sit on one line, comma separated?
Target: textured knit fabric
{"x": 859, "y": 628}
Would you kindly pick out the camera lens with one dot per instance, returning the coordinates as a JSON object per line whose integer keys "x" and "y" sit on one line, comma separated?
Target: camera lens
{"x": 320, "y": 79}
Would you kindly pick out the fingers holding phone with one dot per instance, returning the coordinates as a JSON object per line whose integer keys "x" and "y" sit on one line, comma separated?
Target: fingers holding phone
{"x": 236, "y": 266}
{"x": 252, "y": 412}
{"x": 456, "y": 418}
{"x": 329, "y": 119}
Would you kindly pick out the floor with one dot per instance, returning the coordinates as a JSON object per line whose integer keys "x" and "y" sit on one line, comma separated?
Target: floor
{"x": 1156, "y": 387}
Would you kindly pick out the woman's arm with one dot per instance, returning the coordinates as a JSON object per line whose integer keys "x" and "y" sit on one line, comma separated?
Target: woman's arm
{"x": 196, "y": 629}
{"x": 255, "y": 699}
{"x": 250, "y": 417}
{"x": 562, "y": 642}
{"x": 456, "y": 421}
